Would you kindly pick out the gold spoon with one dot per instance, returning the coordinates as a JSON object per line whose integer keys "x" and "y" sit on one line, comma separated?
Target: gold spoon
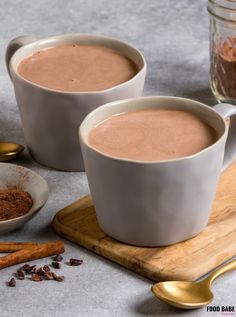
{"x": 9, "y": 150}
{"x": 190, "y": 295}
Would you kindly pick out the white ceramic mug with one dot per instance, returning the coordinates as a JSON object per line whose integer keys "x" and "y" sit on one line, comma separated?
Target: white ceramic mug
{"x": 50, "y": 118}
{"x": 157, "y": 203}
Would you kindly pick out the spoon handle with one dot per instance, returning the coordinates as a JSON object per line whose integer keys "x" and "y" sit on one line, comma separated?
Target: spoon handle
{"x": 230, "y": 266}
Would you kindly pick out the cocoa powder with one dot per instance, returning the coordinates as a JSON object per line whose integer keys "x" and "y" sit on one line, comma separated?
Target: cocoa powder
{"x": 14, "y": 202}
{"x": 223, "y": 68}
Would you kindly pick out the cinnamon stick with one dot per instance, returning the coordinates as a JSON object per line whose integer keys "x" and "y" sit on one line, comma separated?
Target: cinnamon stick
{"x": 32, "y": 253}
{"x": 6, "y": 247}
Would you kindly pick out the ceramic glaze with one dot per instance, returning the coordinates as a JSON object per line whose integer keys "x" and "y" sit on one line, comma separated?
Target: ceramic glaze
{"x": 156, "y": 203}
{"x": 50, "y": 118}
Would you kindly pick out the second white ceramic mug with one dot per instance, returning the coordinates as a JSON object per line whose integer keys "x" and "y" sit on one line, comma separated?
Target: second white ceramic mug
{"x": 50, "y": 118}
{"x": 157, "y": 203}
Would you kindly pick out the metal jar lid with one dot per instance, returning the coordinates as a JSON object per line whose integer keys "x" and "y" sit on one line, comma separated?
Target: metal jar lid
{"x": 223, "y": 10}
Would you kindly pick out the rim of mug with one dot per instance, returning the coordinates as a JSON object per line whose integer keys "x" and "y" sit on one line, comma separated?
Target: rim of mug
{"x": 119, "y": 41}
{"x": 127, "y": 160}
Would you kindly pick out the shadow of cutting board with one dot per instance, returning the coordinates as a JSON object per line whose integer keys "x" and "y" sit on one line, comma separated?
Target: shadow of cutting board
{"x": 187, "y": 260}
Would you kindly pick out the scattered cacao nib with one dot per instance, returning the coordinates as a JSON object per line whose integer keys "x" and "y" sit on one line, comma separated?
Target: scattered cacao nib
{"x": 57, "y": 258}
{"x": 24, "y": 267}
{"x": 56, "y": 265}
{"x": 75, "y": 262}
{"x": 30, "y": 269}
{"x": 59, "y": 278}
{"x": 36, "y": 277}
{"x": 20, "y": 275}
{"x": 46, "y": 268}
{"x": 40, "y": 271}
{"x": 49, "y": 275}
{"x": 12, "y": 282}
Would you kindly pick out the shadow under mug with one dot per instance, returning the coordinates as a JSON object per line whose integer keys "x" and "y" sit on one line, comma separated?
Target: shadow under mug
{"x": 157, "y": 203}
{"x": 50, "y": 118}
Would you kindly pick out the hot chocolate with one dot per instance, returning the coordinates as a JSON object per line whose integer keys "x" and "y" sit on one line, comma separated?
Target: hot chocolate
{"x": 77, "y": 68}
{"x": 152, "y": 135}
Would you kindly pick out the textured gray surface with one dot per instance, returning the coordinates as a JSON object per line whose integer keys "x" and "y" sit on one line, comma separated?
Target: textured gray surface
{"x": 173, "y": 35}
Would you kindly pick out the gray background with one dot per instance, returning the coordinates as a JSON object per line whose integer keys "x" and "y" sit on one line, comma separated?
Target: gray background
{"x": 173, "y": 35}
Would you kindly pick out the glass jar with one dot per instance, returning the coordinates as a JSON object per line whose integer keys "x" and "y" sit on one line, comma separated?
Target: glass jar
{"x": 223, "y": 49}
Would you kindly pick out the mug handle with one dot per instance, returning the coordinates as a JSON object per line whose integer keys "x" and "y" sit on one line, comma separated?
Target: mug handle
{"x": 14, "y": 45}
{"x": 226, "y": 111}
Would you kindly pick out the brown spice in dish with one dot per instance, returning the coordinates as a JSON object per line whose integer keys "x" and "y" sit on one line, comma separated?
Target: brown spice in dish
{"x": 14, "y": 202}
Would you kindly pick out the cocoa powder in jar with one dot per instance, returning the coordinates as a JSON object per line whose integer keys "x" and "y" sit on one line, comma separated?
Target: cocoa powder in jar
{"x": 14, "y": 202}
{"x": 223, "y": 69}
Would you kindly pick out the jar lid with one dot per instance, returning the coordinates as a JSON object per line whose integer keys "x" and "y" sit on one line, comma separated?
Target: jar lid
{"x": 223, "y": 9}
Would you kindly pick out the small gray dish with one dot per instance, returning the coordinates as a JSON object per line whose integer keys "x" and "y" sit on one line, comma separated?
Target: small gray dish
{"x": 17, "y": 176}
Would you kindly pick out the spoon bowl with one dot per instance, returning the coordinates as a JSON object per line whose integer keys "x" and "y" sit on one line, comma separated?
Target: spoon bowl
{"x": 8, "y": 151}
{"x": 190, "y": 295}
{"x": 184, "y": 294}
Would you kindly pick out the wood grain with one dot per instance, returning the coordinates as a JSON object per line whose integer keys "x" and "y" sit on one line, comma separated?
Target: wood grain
{"x": 39, "y": 251}
{"x": 6, "y": 247}
{"x": 187, "y": 260}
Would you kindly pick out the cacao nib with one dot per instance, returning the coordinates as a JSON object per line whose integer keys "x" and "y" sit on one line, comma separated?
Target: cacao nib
{"x": 46, "y": 268}
{"x": 59, "y": 278}
{"x": 20, "y": 275}
{"x": 49, "y": 275}
{"x": 36, "y": 277}
{"x": 57, "y": 258}
{"x": 75, "y": 262}
{"x": 12, "y": 282}
{"x": 30, "y": 269}
{"x": 25, "y": 267}
{"x": 56, "y": 265}
{"x": 40, "y": 271}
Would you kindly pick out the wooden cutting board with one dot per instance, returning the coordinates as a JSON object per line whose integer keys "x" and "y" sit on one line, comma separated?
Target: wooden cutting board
{"x": 187, "y": 260}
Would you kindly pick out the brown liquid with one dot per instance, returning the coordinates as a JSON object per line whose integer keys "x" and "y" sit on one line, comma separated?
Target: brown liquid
{"x": 77, "y": 68}
{"x": 152, "y": 135}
